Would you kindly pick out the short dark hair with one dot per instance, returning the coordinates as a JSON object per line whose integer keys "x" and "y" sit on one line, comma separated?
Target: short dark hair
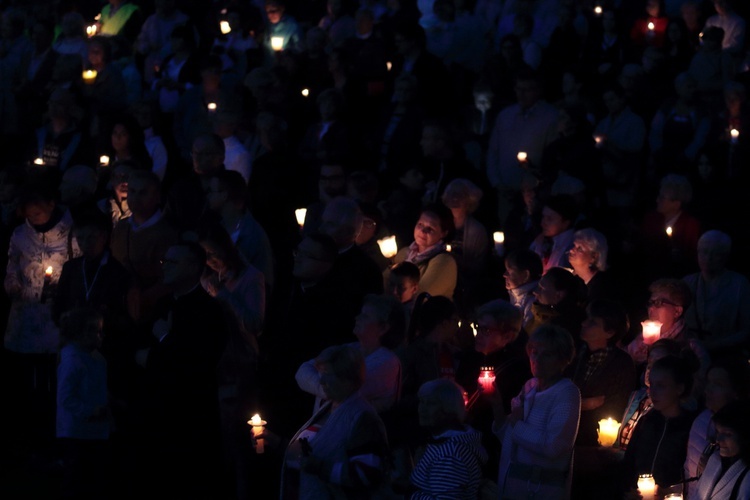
{"x": 613, "y": 315}
{"x": 196, "y": 253}
{"x": 407, "y": 270}
{"x": 526, "y": 260}
{"x": 681, "y": 370}
{"x": 233, "y": 183}
{"x": 445, "y": 216}
{"x": 75, "y": 326}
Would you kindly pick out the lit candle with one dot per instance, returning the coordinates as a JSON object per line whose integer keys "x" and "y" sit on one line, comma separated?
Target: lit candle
{"x": 388, "y": 65}
{"x": 211, "y": 106}
{"x": 499, "y": 238}
{"x": 651, "y": 27}
{"x": 646, "y": 486}
{"x": 89, "y": 76}
{"x": 98, "y": 17}
{"x": 608, "y": 431}
{"x": 448, "y": 248}
{"x": 305, "y": 92}
{"x": 388, "y": 247}
{"x": 486, "y": 378}
{"x": 225, "y": 28}
{"x": 277, "y": 43}
{"x": 735, "y": 135}
{"x": 104, "y": 160}
{"x": 258, "y": 425}
{"x": 300, "y": 214}
{"x": 91, "y": 30}
{"x": 651, "y": 331}
{"x": 669, "y": 231}
{"x": 598, "y": 10}
{"x": 474, "y": 329}
{"x": 38, "y": 161}
{"x": 673, "y": 496}
{"x": 48, "y": 272}
{"x": 598, "y": 140}
{"x": 522, "y": 156}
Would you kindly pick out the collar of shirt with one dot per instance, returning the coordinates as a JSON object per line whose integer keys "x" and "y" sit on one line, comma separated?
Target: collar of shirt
{"x": 150, "y": 222}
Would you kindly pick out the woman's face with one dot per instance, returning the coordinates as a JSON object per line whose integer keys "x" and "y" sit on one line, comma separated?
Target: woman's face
{"x": 96, "y": 55}
{"x": 514, "y": 277}
{"x": 545, "y": 362}
{"x": 428, "y": 231}
{"x": 728, "y": 440}
{"x": 335, "y": 389}
{"x": 581, "y": 257}
{"x": 120, "y": 138}
{"x": 546, "y": 294}
{"x": 663, "y": 389}
{"x": 553, "y": 223}
{"x": 39, "y": 213}
{"x": 719, "y": 390}
{"x": 662, "y": 308}
{"x": 593, "y": 332}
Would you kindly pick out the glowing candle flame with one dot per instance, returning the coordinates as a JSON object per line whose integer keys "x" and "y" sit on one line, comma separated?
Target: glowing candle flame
{"x": 598, "y": 10}
{"x": 104, "y": 160}
{"x": 474, "y": 329}
{"x": 651, "y": 26}
{"x": 211, "y": 107}
{"x": 389, "y": 65}
{"x": 91, "y": 30}
{"x": 498, "y": 237}
{"x": 277, "y": 43}
{"x": 38, "y": 161}
{"x": 89, "y": 75}
{"x": 522, "y": 156}
{"x": 669, "y": 231}
{"x": 646, "y": 486}
{"x": 256, "y": 420}
{"x": 225, "y": 28}
{"x": 486, "y": 378}
{"x": 448, "y": 248}
{"x": 300, "y": 214}
{"x": 48, "y": 271}
{"x": 651, "y": 331}
{"x": 609, "y": 429}
{"x": 305, "y": 92}
{"x": 388, "y": 246}
{"x": 735, "y": 135}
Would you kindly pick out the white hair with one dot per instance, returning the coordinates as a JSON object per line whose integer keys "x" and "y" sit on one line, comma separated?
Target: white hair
{"x": 595, "y": 242}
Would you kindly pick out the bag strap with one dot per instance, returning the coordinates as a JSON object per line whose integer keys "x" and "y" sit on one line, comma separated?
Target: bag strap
{"x": 738, "y": 484}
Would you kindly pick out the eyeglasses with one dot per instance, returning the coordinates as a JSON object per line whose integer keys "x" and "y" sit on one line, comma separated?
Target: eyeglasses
{"x": 660, "y": 302}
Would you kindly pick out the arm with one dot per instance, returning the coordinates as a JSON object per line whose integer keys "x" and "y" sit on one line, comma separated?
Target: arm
{"x": 308, "y": 379}
{"x": 12, "y": 283}
{"x": 70, "y": 380}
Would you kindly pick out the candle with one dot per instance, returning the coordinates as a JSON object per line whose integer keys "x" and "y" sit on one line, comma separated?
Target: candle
{"x": 669, "y": 231}
{"x": 211, "y": 106}
{"x": 499, "y": 238}
{"x": 388, "y": 65}
{"x": 651, "y": 27}
{"x": 91, "y": 30}
{"x": 257, "y": 423}
{"x": 486, "y": 379}
{"x": 448, "y": 248}
{"x": 673, "y": 496}
{"x": 300, "y": 214}
{"x": 474, "y": 329}
{"x": 646, "y": 486}
{"x": 277, "y": 43}
{"x": 388, "y": 246}
{"x": 735, "y": 135}
{"x": 104, "y": 160}
{"x": 305, "y": 92}
{"x": 598, "y": 140}
{"x": 522, "y": 156}
{"x": 225, "y": 28}
{"x": 89, "y": 76}
{"x": 38, "y": 161}
{"x": 48, "y": 272}
{"x": 651, "y": 331}
{"x": 608, "y": 431}
{"x": 598, "y": 10}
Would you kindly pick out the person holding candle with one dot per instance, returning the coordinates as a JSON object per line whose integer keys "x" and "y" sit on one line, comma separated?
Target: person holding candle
{"x": 588, "y": 257}
{"x": 659, "y": 441}
{"x": 650, "y": 30}
{"x": 178, "y": 71}
{"x": 282, "y": 26}
{"x": 726, "y": 474}
{"x": 60, "y": 142}
{"x": 116, "y": 204}
{"x": 127, "y": 142}
{"x": 733, "y": 24}
{"x": 538, "y": 434}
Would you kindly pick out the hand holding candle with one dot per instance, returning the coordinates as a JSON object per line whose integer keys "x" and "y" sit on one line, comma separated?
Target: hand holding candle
{"x": 609, "y": 429}
{"x": 89, "y": 76}
{"x": 277, "y": 43}
{"x": 486, "y": 379}
{"x": 651, "y": 331}
{"x": 646, "y": 486}
{"x": 225, "y": 28}
{"x": 257, "y": 424}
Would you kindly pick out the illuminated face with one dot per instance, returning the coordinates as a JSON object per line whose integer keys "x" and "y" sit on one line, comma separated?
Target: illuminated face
{"x": 39, "y": 213}
{"x": 728, "y": 441}
{"x": 120, "y": 138}
{"x": 428, "y": 231}
{"x": 581, "y": 257}
{"x": 553, "y": 223}
{"x": 545, "y": 362}
{"x": 404, "y": 289}
{"x": 662, "y": 308}
{"x": 274, "y": 12}
{"x": 514, "y": 277}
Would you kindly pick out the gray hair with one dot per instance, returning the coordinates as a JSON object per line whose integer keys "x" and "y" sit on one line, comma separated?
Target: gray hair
{"x": 346, "y": 362}
{"x": 449, "y": 394}
{"x": 465, "y": 191}
{"x": 555, "y": 337}
{"x": 715, "y": 240}
{"x": 678, "y": 186}
{"x": 506, "y": 315}
{"x": 596, "y": 243}
{"x": 347, "y": 216}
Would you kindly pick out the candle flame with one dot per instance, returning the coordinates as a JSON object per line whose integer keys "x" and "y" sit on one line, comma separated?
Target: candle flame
{"x": 211, "y": 106}
{"x": 48, "y": 271}
{"x": 498, "y": 237}
{"x": 669, "y": 231}
{"x": 598, "y": 10}
{"x": 91, "y": 30}
{"x": 89, "y": 75}
{"x": 277, "y": 43}
{"x": 734, "y": 133}
{"x": 225, "y": 28}
{"x": 448, "y": 248}
{"x": 388, "y": 246}
{"x": 651, "y": 26}
{"x": 300, "y": 214}
{"x": 522, "y": 156}
{"x": 104, "y": 160}
{"x": 474, "y": 329}
{"x": 38, "y": 161}
{"x": 256, "y": 420}
{"x": 389, "y": 65}
{"x": 305, "y": 92}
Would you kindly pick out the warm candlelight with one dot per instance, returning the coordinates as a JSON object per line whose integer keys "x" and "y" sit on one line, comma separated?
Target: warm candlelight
{"x": 89, "y": 76}
{"x": 474, "y": 329}
{"x": 258, "y": 423}
{"x": 673, "y": 496}
{"x": 38, "y": 161}
{"x": 646, "y": 486}
{"x": 104, "y": 160}
{"x": 486, "y": 378}
{"x": 225, "y": 28}
{"x": 300, "y": 214}
{"x": 448, "y": 248}
{"x": 651, "y": 331}
{"x": 277, "y": 43}
{"x": 522, "y": 156}
{"x": 211, "y": 106}
{"x": 48, "y": 271}
{"x": 598, "y": 10}
{"x": 498, "y": 237}
{"x": 305, "y": 92}
{"x": 651, "y": 26}
{"x": 735, "y": 134}
{"x": 388, "y": 65}
{"x": 669, "y": 231}
{"x": 598, "y": 140}
{"x": 609, "y": 429}
{"x": 388, "y": 247}
{"x": 91, "y": 30}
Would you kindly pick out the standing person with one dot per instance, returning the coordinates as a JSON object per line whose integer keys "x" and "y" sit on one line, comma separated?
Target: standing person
{"x": 539, "y": 432}
{"x": 556, "y": 239}
{"x": 523, "y": 269}
{"x": 82, "y": 424}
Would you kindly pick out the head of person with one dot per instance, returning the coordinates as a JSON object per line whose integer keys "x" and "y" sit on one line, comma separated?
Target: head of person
{"x": 441, "y": 405}
{"x": 314, "y": 257}
{"x": 712, "y": 39}
{"x": 615, "y": 99}
{"x": 483, "y": 96}
{"x": 436, "y": 140}
{"x": 670, "y": 382}
{"x": 435, "y": 225}
{"x": 685, "y": 86}
{"x": 100, "y": 52}
{"x": 510, "y": 49}
{"x": 226, "y": 123}
{"x": 558, "y": 215}
{"x": 732, "y": 432}
{"x": 462, "y": 196}
{"x": 677, "y": 32}
{"x": 669, "y": 300}
{"x": 714, "y": 248}
{"x": 654, "y": 8}
{"x": 342, "y": 371}
{"x": 332, "y": 180}
{"x": 226, "y": 187}
{"x": 211, "y": 68}
{"x": 342, "y": 220}
{"x": 78, "y": 184}
{"x": 92, "y": 234}
{"x": 363, "y": 186}
{"x": 183, "y": 265}
{"x": 222, "y": 255}
{"x": 409, "y": 38}
{"x": 660, "y": 349}
{"x": 60, "y": 104}
{"x": 528, "y": 88}
{"x": 589, "y": 250}
{"x": 403, "y": 281}
{"x": 118, "y": 180}
{"x": 550, "y": 349}
{"x": 208, "y": 154}
{"x": 82, "y": 326}
{"x": 37, "y": 203}
{"x": 723, "y": 7}
{"x": 498, "y": 324}
{"x": 727, "y": 379}
{"x": 182, "y": 39}
{"x": 381, "y": 322}
{"x": 606, "y": 324}
{"x": 144, "y": 194}
{"x": 522, "y": 266}
{"x": 371, "y": 220}
{"x": 573, "y": 120}
{"x": 675, "y": 192}
{"x": 437, "y": 318}
{"x": 558, "y": 285}
{"x": 126, "y": 135}
{"x": 275, "y": 10}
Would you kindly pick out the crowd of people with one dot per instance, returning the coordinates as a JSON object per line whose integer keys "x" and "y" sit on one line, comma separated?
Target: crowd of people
{"x": 200, "y": 298}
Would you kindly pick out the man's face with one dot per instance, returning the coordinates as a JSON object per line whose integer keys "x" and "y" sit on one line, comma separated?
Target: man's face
{"x": 216, "y": 195}
{"x": 553, "y": 223}
{"x": 527, "y": 93}
{"x": 177, "y": 266}
{"x": 332, "y": 180}
{"x": 143, "y": 197}
{"x": 206, "y": 158}
{"x": 401, "y": 287}
{"x": 274, "y": 13}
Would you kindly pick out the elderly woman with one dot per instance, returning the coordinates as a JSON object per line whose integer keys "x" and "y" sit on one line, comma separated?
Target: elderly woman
{"x": 342, "y": 449}
{"x": 450, "y": 466}
{"x": 559, "y": 300}
{"x": 588, "y": 257}
{"x": 379, "y": 329}
{"x": 437, "y": 267}
{"x": 539, "y": 433}
{"x": 726, "y": 474}
{"x": 720, "y": 313}
{"x": 523, "y": 268}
